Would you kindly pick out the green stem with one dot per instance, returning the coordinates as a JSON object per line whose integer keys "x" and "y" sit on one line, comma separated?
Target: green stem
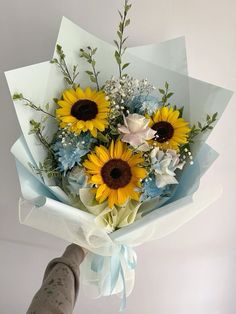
{"x": 96, "y": 76}
{"x": 33, "y": 106}
{"x": 121, "y": 40}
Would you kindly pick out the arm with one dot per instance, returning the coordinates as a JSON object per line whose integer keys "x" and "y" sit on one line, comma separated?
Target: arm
{"x": 60, "y": 286}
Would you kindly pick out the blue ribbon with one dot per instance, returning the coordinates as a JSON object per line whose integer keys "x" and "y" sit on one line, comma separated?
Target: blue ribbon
{"x": 116, "y": 270}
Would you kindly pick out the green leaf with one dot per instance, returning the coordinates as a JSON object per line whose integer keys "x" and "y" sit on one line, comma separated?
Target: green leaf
{"x": 54, "y": 61}
{"x": 121, "y": 27}
{"x": 214, "y": 116}
{"x": 93, "y": 63}
{"x": 124, "y": 49}
{"x": 166, "y": 85}
{"x": 59, "y": 48}
{"x": 93, "y": 79}
{"x": 17, "y": 96}
{"x": 162, "y": 91}
{"x": 67, "y": 80}
{"x": 117, "y": 56}
{"x": 125, "y": 66}
{"x": 94, "y": 51}
{"x": 181, "y": 110}
{"x": 127, "y": 7}
{"x": 102, "y": 138}
{"x": 124, "y": 40}
{"x": 89, "y": 72}
{"x": 116, "y": 43}
{"x": 121, "y": 15}
{"x": 127, "y": 22}
{"x": 169, "y": 95}
{"x": 119, "y": 34}
{"x": 86, "y": 55}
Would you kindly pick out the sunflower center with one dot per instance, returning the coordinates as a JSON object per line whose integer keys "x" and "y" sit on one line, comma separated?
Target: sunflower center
{"x": 164, "y": 131}
{"x": 116, "y": 173}
{"x": 84, "y": 109}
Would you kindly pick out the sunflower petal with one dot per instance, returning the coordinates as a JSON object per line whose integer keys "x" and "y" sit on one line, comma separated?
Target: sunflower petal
{"x": 102, "y": 153}
{"x": 97, "y": 179}
{"x": 69, "y": 95}
{"x": 118, "y": 149}
{"x": 111, "y": 149}
{"x": 100, "y": 190}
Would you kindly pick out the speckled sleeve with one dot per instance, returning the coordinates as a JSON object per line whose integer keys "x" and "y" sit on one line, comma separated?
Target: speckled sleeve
{"x": 60, "y": 286}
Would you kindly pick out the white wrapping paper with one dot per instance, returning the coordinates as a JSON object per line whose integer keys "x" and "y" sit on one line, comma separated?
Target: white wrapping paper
{"x": 46, "y": 207}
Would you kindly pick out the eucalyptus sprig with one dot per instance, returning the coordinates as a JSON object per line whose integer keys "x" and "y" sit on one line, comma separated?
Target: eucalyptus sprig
{"x": 88, "y": 54}
{"x": 166, "y": 94}
{"x": 37, "y": 129}
{"x": 124, "y": 22}
{"x": 69, "y": 76}
{"x": 200, "y": 128}
{"x": 46, "y": 168}
{"x": 29, "y": 103}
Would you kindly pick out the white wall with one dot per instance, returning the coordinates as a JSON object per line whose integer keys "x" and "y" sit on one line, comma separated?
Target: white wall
{"x": 191, "y": 271}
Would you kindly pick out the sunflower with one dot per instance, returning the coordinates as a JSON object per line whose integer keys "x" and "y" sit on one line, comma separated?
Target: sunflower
{"x": 83, "y": 110}
{"x": 116, "y": 173}
{"x": 171, "y": 131}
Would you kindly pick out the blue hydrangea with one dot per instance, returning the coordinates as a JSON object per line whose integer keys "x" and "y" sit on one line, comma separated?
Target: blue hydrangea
{"x": 150, "y": 189}
{"x": 77, "y": 179}
{"x": 70, "y": 148}
{"x": 144, "y": 104}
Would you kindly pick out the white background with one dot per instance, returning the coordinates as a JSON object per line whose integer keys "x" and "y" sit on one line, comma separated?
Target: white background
{"x": 192, "y": 270}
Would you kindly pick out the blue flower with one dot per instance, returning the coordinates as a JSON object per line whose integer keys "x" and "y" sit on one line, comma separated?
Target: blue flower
{"x": 77, "y": 180}
{"x": 144, "y": 104}
{"x": 69, "y": 148}
{"x": 150, "y": 188}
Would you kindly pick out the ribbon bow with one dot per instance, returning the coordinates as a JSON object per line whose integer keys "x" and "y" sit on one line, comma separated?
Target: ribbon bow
{"x": 114, "y": 271}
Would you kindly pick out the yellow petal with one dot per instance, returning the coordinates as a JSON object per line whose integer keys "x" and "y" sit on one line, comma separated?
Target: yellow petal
{"x": 69, "y": 96}
{"x": 94, "y": 132}
{"x": 80, "y": 124}
{"x": 139, "y": 172}
{"x": 93, "y": 158}
{"x": 135, "y": 159}
{"x": 164, "y": 113}
{"x": 68, "y": 119}
{"x": 100, "y": 190}
{"x": 126, "y": 155}
{"x": 118, "y": 149}
{"x": 121, "y": 196}
{"x": 111, "y": 149}
{"x": 88, "y": 92}
{"x": 89, "y": 125}
{"x": 156, "y": 117}
{"x": 105, "y": 195}
{"x": 65, "y": 111}
{"x": 97, "y": 179}
{"x": 99, "y": 125}
{"x": 63, "y": 103}
{"x": 135, "y": 195}
{"x": 89, "y": 165}
{"x": 102, "y": 153}
{"x": 173, "y": 117}
{"x": 112, "y": 199}
{"x": 80, "y": 93}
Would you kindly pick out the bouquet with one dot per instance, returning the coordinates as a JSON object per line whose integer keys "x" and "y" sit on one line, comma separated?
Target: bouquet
{"x": 113, "y": 147}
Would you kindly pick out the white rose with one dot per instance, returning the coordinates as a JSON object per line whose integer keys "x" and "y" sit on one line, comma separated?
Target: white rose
{"x": 136, "y": 131}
